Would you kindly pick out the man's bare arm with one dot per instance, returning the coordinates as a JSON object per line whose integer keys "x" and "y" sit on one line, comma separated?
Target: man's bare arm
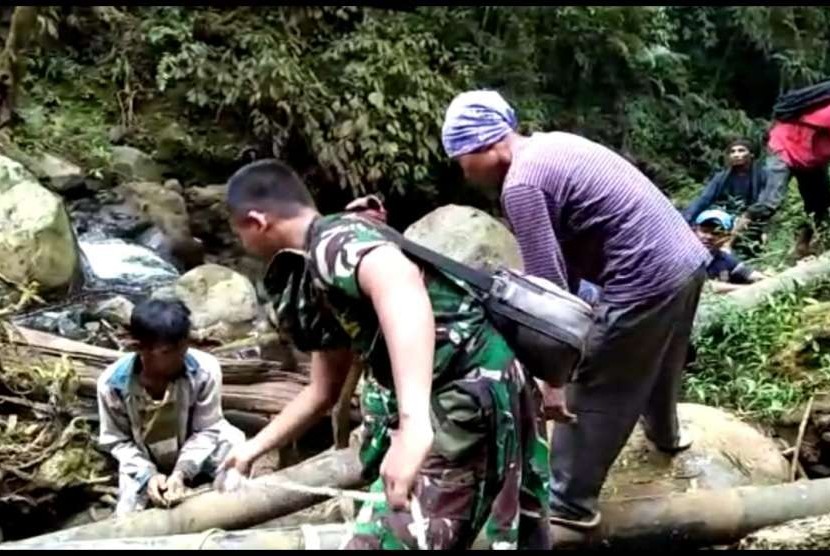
{"x": 328, "y": 372}
{"x": 399, "y": 296}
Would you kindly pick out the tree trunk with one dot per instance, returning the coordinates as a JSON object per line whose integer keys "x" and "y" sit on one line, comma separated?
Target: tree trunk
{"x": 805, "y": 275}
{"x": 694, "y": 519}
{"x": 257, "y": 501}
{"x": 11, "y": 64}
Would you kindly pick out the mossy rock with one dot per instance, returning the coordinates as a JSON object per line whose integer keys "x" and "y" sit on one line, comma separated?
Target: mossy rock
{"x": 36, "y": 238}
{"x": 726, "y": 453}
{"x": 467, "y": 235}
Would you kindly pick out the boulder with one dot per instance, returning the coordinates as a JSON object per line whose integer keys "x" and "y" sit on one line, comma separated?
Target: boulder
{"x": 165, "y": 208}
{"x": 222, "y": 302}
{"x": 36, "y": 238}
{"x": 133, "y": 164}
{"x": 173, "y": 142}
{"x": 206, "y": 206}
{"x": 726, "y": 453}
{"x": 468, "y": 235}
{"x": 117, "y": 134}
{"x": 13, "y": 173}
{"x": 59, "y": 175}
{"x": 117, "y": 310}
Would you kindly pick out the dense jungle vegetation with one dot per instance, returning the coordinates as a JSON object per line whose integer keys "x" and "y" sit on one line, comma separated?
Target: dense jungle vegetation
{"x": 354, "y": 96}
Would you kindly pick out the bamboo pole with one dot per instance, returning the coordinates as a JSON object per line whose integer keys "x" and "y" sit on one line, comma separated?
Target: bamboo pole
{"x": 693, "y": 519}
{"x": 257, "y": 501}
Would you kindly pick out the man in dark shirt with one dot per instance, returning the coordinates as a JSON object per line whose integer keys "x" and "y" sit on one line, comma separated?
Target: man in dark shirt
{"x": 738, "y": 189}
{"x": 735, "y": 188}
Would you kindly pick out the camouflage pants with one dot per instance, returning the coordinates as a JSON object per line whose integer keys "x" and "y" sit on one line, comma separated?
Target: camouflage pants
{"x": 487, "y": 470}
{"x": 446, "y": 497}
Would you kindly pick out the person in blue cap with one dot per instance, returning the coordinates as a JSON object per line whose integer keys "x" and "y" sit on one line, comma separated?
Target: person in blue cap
{"x": 713, "y": 227}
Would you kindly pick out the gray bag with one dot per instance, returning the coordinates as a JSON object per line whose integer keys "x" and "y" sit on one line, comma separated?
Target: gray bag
{"x": 545, "y": 325}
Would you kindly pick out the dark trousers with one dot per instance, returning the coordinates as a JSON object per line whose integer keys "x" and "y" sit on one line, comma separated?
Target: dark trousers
{"x": 634, "y": 367}
{"x": 813, "y": 185}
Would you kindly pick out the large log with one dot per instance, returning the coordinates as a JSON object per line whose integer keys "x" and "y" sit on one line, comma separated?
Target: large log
{"x": 695, "y": 519}
{"x": 257, "y": 501}
{"x": 234, "y": 371}
{"x": 804, "y": 275}
{"x": 252, "y": 386}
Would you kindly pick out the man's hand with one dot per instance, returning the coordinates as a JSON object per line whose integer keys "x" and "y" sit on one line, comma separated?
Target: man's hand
{"x": 402, "y": 462}
{"x": 174, "y": 487}
{"x": 156, "y": 488}
{"x": 555, "y": 405}
{"x": 369, "y": 206}
{"x": 241, "y": 458}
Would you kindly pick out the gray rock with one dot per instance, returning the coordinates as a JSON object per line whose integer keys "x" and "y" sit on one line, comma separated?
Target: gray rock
{"x": 165, "y": 293}
{"x": 173, "y": 142}
{"x": 13, "y": 173}
{"x": 59, "y": 175}
{"x": 468, "y": 235}
{"x": 222, "y": 302}
{"x": 36, "y": 238}
{"x": 726, "y": 453}
{"x": 117, "y": 134}
{"x": 164, "y": 206}
{"x": 117, "y": 310}
{"x": 133, "y": 164}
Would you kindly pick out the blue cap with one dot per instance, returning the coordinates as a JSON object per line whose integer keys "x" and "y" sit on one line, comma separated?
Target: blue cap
{"x": 722, "y": 218}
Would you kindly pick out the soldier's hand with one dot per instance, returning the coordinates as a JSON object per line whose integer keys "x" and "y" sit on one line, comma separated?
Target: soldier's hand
{"x": 555, "y": 405}
{"x": 175, "y": 487}
{"x": 156, "y": 487}
{"x": 241, "y": 458}
{"x": 370, "y": 206}
{"x": 400, "y": 466}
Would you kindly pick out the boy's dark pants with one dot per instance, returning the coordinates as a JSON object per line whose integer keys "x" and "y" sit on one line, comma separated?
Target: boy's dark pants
{"x": 633, "y": 367}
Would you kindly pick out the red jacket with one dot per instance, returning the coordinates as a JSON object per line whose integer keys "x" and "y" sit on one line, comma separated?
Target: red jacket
{"x": 804, "y": 143}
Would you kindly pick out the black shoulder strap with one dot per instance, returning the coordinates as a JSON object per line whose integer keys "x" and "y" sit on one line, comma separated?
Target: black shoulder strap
{"x": 476, "y": 278}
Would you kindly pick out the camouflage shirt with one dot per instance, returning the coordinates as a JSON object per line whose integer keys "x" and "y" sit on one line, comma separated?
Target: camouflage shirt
{"x": 480, "y": 394}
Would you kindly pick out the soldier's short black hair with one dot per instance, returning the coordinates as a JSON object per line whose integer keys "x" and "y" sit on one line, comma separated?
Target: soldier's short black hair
{"x": 157, "y": 321}
{"x": 269, "y": 186}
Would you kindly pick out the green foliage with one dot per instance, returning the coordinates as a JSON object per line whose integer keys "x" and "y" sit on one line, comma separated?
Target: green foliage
{"x": 365, "y": 105}
{"x": 735, "y": 366}
{"x": 353, "y": 97}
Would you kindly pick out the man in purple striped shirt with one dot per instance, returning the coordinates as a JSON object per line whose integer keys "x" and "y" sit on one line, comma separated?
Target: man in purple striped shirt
{"x": 582, "y": 212}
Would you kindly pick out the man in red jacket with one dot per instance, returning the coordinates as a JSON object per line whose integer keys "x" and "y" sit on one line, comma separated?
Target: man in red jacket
{"x": 800, "y": 148}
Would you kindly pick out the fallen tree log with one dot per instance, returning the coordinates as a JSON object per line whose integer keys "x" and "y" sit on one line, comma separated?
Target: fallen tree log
{"x": 694, "y": 519}
{"x": 257, "y": 501}
{"x": 234, "y": 371}
{"x": 804, "y": 275}
{"x": 251, "y": 386}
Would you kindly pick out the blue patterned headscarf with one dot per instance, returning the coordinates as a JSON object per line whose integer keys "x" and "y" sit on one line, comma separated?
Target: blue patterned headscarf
{"x": 474, "y": 120}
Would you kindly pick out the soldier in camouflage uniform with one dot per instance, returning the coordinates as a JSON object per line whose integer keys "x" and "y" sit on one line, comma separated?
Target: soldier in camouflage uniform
{"x": 486, "y": 467}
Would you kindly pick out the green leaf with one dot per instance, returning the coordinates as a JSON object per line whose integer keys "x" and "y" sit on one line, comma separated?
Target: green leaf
{"x": 376, "y": 99}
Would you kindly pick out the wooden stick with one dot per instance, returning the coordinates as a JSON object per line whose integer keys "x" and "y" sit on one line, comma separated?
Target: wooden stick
{"x": 801, "y": 429}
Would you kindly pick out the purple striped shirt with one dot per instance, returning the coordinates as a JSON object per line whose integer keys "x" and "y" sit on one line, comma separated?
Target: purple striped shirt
{"x": 581, "y": 211}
